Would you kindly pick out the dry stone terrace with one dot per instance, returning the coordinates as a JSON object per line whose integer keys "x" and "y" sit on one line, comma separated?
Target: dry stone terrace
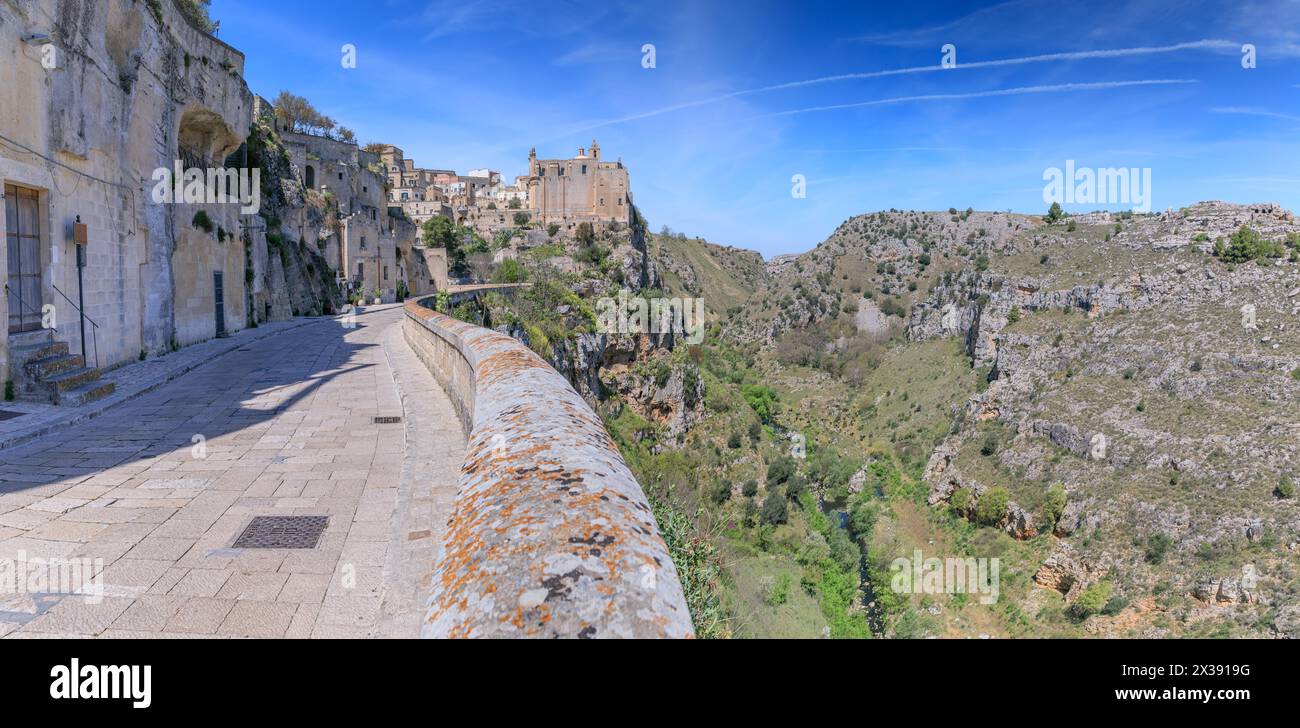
{"x": 287, "y": 427}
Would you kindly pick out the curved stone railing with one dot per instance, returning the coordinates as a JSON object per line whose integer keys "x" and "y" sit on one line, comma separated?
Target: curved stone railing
{"x": 550, "y": 534}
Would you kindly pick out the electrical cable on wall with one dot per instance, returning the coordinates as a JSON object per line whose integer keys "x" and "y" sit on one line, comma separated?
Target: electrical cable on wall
{"x": 51, "y": 162}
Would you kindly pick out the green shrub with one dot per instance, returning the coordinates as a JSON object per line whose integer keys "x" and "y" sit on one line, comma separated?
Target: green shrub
{"x": 1157, "y": 547}
{"x": 699, "y": 569}
{"x": 1092, "y": 599}
{"x": 796, "y": 486}
{"x": 761, "y": 398}
{"x": 1055, "y": 505}
{"x": 720, "y": 491}
{"x": 780, "y": 470}
{"x": 1285, "y": 487}
{"x": 522, "y": 218}
{"x": 509, "y": 271}
{"x": 992, "y": 506}
{"x": 774, "y": 510}
{"x": 1246, "y": 245}
{"x": 733, "y": 441}
{"x": 780, "y": 591}
{"x": 750, "y": 488}
{"x": 990, "y": 446}
{"x": 9, "y": 390}
{"x": 1114, "y": 606}
{"x": 891, "y": 307}
{"x": 960, "y": 500}
{"x": 592, "y": 253}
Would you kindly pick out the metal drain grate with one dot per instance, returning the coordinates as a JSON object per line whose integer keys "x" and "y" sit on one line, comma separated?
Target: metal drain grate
{"x": 388, "y": 420}
{"x": 282, "y": 532}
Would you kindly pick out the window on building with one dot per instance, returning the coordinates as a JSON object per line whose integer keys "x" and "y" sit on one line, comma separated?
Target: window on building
{"x": 340, "y": 175}
{"x": 385, "y": 272}
{"x": 363, "y": 242}
{"x": 584, "y": 169}
{"x": 361, "y": 270}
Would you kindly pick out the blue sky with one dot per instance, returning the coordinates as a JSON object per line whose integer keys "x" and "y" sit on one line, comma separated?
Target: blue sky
{"x": 745, "y": 95}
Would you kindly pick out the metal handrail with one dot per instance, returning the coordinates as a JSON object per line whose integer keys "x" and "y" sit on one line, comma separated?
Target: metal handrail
{"x": 23, "y": 304}
{"x": 94, "y": 330}
{"x": 70, "y": 303}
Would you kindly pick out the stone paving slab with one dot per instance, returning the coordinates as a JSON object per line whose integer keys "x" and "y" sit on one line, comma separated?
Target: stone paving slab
{"x": 131, "y": 381}
{"x": 140, "y": 507}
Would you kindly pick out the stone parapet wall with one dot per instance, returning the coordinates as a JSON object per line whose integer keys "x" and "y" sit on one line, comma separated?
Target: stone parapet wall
{"x": 550, "y": 535}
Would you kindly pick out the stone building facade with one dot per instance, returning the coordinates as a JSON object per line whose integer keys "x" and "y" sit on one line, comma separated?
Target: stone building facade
{"x": 584, "y": 188}
{"x": 96, "y": 97}
{"x": 419, "y": 193}
{"x": 360, "y": 239}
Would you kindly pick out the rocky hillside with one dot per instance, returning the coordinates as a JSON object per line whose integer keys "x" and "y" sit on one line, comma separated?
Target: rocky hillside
{"x": 1133, "y": 414}
{"x": 1086, "y": 400}
{"x": 724, "y": 276}
{"x": 1125, "y": 369}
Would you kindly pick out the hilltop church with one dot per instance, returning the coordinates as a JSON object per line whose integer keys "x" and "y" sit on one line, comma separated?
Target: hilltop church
{"x": 584, "y": 188}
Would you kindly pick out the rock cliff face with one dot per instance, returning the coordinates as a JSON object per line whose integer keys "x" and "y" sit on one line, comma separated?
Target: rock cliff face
{"x": 1160, "y": 394}
{"x": 638, "y": 369}
{"x": 1150, "y": 380}
{"x": 289, "y": 275}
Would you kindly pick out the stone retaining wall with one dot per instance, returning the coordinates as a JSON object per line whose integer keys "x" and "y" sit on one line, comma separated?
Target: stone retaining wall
{"x": 550, "y": 535}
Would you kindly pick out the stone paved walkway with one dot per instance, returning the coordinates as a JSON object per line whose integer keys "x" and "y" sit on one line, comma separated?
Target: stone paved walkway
{"x": 140, "y": 507}
{"x": 131, "y": 380}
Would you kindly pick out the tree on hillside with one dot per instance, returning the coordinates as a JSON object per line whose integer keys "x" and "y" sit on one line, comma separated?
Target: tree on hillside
{"x": 1054, "y": 214}
{"x": 1246, "y": 244}
{"x": 438, "y": 232}
{"x": 298, "y": 114}
{"x": 347, "y": 135}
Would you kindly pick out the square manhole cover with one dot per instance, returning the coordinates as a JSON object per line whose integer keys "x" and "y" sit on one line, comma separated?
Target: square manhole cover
{"x": 282, "y": 532}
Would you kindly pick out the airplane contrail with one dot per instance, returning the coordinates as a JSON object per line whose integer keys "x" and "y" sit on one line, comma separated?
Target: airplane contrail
{"x": 981, "y": 94}
{"x": 1044, "y": 58}
{"x": 1253, "y": 112}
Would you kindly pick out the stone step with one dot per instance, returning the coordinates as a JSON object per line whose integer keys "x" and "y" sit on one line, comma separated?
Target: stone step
{"x": 31, "y": 338}
{"x": 97, "y": 389}
{"x": 26, "y": 353}
{"x": 53, "y": 365}
{"x": 66, "y": 381}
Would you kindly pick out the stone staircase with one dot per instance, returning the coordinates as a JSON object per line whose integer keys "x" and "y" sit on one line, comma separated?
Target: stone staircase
{"x": 44, "y": 371}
